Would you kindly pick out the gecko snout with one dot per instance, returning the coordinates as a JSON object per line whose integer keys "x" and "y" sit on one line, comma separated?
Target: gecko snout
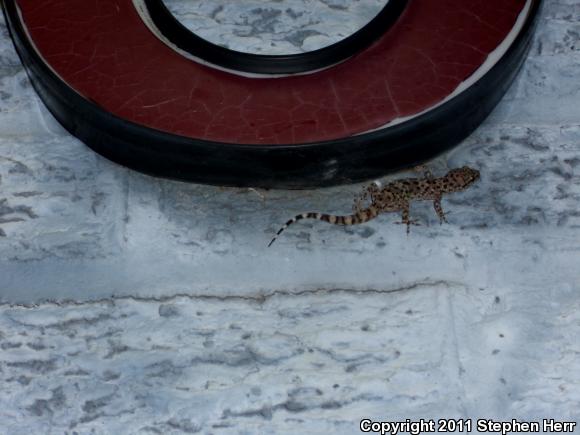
{"x": 464, "y": 176}
{"x": 469, "y": 175}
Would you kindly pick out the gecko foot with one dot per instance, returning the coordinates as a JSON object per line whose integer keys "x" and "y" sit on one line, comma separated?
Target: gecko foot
{"x": 443, "y": 217}
{"x": 409, "y": 223}
{"x": 358, "y": 205}
{"x": 442, "y": 220}
{"x": 424, "y": 170}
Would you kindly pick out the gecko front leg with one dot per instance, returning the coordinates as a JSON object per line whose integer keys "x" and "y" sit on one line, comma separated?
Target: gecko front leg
{"x": 439, "y": 210}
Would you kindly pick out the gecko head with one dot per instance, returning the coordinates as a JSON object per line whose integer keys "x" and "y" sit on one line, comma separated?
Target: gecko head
{"x": 463, "y": 177}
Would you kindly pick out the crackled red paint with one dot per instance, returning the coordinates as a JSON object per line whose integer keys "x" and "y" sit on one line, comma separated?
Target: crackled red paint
{"x": 103, "y": 50}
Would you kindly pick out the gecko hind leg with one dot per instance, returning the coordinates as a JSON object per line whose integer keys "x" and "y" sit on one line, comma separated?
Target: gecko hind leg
{"x": 370, "y": 191}
{"x": 425, "y": 170}
{"x": 405, "y": 219}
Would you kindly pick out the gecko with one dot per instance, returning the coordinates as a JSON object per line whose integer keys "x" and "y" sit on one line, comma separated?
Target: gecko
{"x": 396, "y": 196}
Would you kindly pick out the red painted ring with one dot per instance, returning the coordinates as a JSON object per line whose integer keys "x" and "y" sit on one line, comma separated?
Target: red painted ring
{"x": 113, "y": 83}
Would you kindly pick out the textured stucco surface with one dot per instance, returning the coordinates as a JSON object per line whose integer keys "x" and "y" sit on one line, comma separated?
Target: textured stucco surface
{"x": 211, "y": 332}
{"x": 275, "y": 27}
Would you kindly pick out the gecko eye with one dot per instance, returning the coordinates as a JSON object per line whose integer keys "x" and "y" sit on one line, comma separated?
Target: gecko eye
{"x": 469, "y": 175}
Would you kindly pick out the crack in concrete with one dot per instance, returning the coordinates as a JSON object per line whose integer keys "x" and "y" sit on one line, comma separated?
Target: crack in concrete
{"x": 295, "y": 406}
{"x": 252, "y": 298}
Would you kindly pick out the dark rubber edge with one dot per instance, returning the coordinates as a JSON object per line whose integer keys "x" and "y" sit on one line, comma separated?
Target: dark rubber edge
{"x": 333, "y": 54}
{"x": 291, "y": 166}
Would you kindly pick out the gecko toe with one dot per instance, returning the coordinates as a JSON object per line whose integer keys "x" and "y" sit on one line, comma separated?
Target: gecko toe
{"x": 409, "y": 223}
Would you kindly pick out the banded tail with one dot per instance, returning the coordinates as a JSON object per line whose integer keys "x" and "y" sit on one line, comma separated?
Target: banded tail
{"x": 359, "y": 217}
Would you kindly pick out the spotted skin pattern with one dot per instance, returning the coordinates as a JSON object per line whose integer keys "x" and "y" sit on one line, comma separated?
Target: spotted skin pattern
{"x": 396, "y": 197}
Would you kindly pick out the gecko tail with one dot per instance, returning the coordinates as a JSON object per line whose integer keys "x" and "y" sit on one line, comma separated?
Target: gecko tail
{"x": 294, "y": 220}
{"x": 357, "y": 218}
